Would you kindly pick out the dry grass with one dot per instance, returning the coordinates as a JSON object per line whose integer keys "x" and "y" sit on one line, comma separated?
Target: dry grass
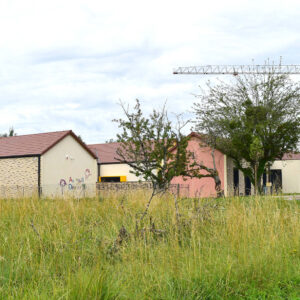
{"x": 220, "y": 249}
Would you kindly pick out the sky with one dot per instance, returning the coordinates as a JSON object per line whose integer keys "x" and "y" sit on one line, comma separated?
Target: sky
{"x": 67, "y": 64}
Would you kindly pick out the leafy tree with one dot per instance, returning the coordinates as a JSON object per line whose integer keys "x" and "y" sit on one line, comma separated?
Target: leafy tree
{"x": 11, "y": 132}
{"x": 145, "y": 144}
{"x": 254, "y": 120}
{"x": 156, "y": 149}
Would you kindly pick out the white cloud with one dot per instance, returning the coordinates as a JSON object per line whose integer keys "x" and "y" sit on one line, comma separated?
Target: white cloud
{"x": 65, "y": 64}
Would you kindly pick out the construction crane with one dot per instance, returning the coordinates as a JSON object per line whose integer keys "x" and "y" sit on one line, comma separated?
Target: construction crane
{"x": 238, "y": 69}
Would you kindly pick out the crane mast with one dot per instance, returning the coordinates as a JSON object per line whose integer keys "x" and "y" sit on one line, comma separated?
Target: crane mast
{"x": 238, "y": 69}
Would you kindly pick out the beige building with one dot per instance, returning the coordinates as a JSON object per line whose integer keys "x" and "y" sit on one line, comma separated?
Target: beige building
{"x": 110, "y": 169}
{"x": 284, "y": 177}
{"x": 287, "y": 173}
{"x": 47, "y": 164}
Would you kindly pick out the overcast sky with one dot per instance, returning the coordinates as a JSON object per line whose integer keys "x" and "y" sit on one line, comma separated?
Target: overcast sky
{"x": 66, "y": 64}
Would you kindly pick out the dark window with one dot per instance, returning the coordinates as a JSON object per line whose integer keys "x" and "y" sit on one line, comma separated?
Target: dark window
{"x": 110, "y": 179}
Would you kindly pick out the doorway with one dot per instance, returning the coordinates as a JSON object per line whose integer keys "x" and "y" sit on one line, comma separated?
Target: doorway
{"x": 247, "y": 186}
{"x": 276, "y": 179}
{"x": 236, "y": 181}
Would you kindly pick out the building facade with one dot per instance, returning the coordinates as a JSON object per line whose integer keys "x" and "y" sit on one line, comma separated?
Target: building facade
{"x": 46, "y": 164}
{"x": 285, "y": 173}
{"x": 110, "y": 169}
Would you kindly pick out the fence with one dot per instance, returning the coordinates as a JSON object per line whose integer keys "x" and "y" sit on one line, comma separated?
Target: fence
{"x": 17, "y": 191}
{"x": 84, "y": 190}
{"x": 79, "y": 190}
{"x": 50, "y": 190}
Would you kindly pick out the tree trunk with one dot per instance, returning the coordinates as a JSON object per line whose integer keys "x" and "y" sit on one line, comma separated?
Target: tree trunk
{"x": 220, "y": 192}
{"x": 256, "y": 189}
{"x": 147, "y": 206}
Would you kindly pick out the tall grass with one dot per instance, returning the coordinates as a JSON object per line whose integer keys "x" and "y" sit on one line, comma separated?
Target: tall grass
{"x": 219, "y": 249}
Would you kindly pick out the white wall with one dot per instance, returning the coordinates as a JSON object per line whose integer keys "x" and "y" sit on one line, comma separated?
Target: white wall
{"x": 66, "y": 167}
{"x": 118, "y": 170}
{"x": 290, "y": 175}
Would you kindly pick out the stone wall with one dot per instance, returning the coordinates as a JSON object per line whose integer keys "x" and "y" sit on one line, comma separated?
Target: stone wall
{"x": 18, "y": 177}
{"x": 178, "y": 189}
{"x": 124, "y": 186}
{"x": 21, "y": 171}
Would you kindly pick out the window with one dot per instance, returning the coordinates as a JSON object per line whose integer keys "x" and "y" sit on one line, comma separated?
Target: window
{"x": 112, "y": 179}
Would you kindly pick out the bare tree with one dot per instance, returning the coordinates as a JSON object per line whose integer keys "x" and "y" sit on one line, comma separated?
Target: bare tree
{"x": 11, "y": 132}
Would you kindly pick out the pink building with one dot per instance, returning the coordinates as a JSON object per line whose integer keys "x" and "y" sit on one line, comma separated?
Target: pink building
{"x": 204, "y": 187}
{"x": 112, "y": 170}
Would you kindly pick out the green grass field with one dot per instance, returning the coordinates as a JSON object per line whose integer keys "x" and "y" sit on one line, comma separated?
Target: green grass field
{"x": 238, "y": 248}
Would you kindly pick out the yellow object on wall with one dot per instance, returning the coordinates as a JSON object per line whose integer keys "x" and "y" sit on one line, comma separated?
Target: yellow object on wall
{"x": 123, "y": 179}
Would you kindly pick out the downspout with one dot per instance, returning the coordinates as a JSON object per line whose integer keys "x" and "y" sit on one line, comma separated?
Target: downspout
{"x": 98, "y": 165}
{"x": 39, "y": 176}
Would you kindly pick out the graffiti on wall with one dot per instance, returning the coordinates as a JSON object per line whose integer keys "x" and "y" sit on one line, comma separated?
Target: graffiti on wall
{"x": 87, "y": 173}
{"x": 75, "y": 183}
{"x": 62, "y": 183}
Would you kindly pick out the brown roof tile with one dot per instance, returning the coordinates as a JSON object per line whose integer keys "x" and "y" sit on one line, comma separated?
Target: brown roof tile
{"x": 106, "y": 153}
{"x": 291, "y": 156}
{"x": 34, "y": 144}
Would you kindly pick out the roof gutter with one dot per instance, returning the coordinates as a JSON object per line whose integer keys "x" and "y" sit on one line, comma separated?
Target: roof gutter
{"x": 19, "y": 156}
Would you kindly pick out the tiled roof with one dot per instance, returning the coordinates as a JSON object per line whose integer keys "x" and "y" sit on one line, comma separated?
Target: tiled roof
{"x": 106, "y": 153}
{"x": 34, "y": 144}
{"x": 291, "y": 156}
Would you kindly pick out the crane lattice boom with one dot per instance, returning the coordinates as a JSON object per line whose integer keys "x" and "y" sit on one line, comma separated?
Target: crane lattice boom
{"x": 238, "y": 69}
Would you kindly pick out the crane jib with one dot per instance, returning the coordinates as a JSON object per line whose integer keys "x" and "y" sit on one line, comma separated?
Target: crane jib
{"x": 238, "y": 69}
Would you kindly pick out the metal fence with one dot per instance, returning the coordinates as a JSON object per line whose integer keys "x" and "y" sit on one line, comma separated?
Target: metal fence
{"x": 50, "y": 190}
{"x": 84, "y": 190}
{"x": 17, "y": 191}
